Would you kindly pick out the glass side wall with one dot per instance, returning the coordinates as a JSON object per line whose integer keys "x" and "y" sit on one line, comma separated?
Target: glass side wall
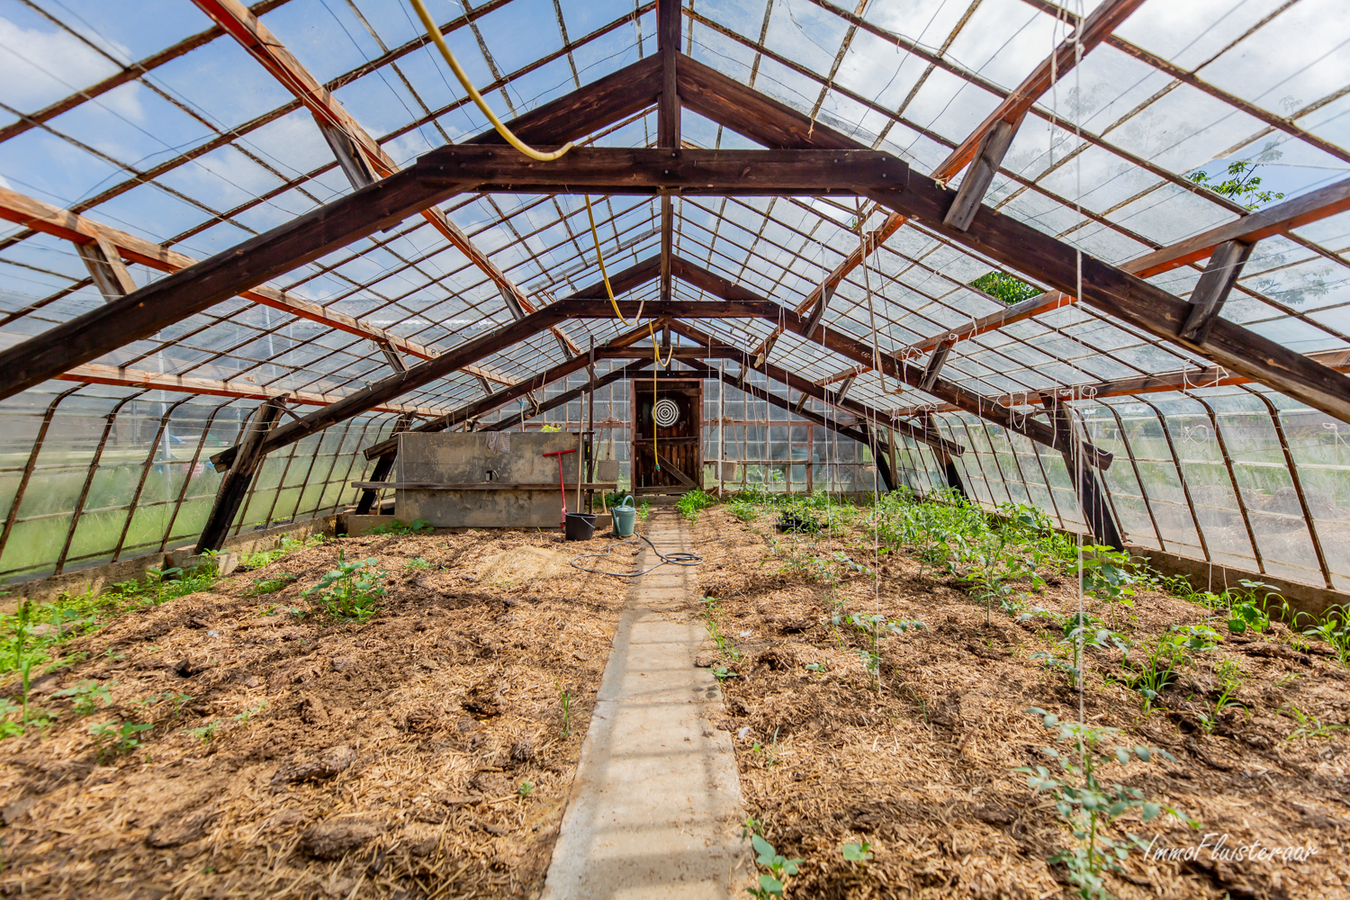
{"x": 92, "y": 474}
{"x": 1239, "y": 476}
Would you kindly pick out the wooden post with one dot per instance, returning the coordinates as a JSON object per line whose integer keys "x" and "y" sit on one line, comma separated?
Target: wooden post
{"x": 1091, "y": 492}
{"x": 234, "y": 486}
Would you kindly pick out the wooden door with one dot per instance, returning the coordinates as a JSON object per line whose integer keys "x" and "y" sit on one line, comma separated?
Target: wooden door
{"x": 680, "y": 443}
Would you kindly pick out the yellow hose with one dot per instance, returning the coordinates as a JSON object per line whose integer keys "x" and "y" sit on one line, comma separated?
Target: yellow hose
{"x": 600, "y": 257}
{"x": 435, "y": 34}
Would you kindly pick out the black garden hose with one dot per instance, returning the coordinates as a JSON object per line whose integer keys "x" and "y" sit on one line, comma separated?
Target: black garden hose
{"x": 678, "y": 558}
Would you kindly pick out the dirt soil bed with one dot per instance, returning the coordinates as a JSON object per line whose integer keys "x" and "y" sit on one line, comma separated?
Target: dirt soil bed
{"x": 423, "y": 753}
{"x": 922, "y": 769}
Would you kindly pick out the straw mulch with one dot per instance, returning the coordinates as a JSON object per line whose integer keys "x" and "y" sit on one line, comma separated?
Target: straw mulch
{"x": 300, "y": 756}
{"x": 922, "y": 768}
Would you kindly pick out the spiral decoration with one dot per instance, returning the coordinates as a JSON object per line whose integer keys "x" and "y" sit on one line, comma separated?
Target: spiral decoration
{"x": 666, "y": 412}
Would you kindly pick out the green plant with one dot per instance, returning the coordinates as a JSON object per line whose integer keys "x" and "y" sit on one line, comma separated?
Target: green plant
{"x": 1082, "y": 631}
{"x": 176, "y": 699}
{"x": 87, "y": 697}
{"x": 23, "y": 659}
{"x": 565, "y": 701}
{"x": 857, "y": 852}
{"x": 1106, "y": 573}
{"x": 417, "y": 564}
{"x": 352, "y": 590}
{"x": 772, "y": 882}
{"x": 204, "y": 733}
{"x": 419, "y": 526}
{"x": 768, "y": 751}
{"x": 743, "y": 509}
{"x": 116, "y": 737}
{"x": 1247, "y": 610}
{"x": 691, "y": 503}
{"x": 1242, "y": 184}
{"x": 1002, "y": 286}
{"x": 525, "y": 789}
{"x": 1165, "y": 656}
{"x": 644, "y": 510}
{"x": 877, "y": 629}
{"x": 250, "y": 713}
{"x": 722, "y": 673}
{"x": 714, "y": 626}
{"x": 1309, "y": 726}
{"x": 1087, "y": 805}
{"x": 1335, "y": 630}
{"x": 1230, "y": 678}
{"x": 273, "y": 584}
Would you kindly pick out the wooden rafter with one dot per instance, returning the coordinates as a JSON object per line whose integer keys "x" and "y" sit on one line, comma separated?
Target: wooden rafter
{"x": 241, "y": 390}
{"x": 83, "y": 231}
{"x": 1273, "y": 220}
{"x": 1021, "y": 247}
{"x": 359, "y": 154}
{"x": 374, "y": 208}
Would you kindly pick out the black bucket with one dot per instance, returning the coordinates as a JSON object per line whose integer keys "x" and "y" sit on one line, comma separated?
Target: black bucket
{"x": 580, "y": 526}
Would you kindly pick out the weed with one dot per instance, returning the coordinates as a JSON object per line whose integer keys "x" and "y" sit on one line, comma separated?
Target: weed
{"x": 693, "y": 502}
{"x": 1086, "y": 805}
{"x": 525, "y": 789}
{"x": 116, "y": 737}
{"x": 772, "y": 882}
{"x": 352, "y": 590}
{"x": 176, "y": 699}
{"x": 1165, "y": 656}
{"x": 857, "y": 852}
{"x": 419, "y": 526}
{"x": 644, "y": 510}
{"x": 87, "y": 697}
{"x": 1309, "y": 726}
{"x": 1335, "y": 630}
{"x": 768, "y": 751}
{"x": 417, "y": 564}
{"x": 284, "y": 548}
{"x": 743, "y": 509}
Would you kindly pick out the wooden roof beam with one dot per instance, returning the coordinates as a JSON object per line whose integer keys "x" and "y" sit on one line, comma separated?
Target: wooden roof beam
{"x": 361, "y": 157}
{"x": 1021, "y": 247}
{"x": 242, "y": 268}
{"x": 240, "y": 390}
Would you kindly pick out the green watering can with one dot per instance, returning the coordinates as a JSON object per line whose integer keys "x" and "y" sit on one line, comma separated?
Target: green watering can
{"x": 625, "y": 517}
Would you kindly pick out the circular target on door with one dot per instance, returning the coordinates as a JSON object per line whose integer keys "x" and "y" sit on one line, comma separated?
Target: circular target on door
{"x": 666, "y": 412}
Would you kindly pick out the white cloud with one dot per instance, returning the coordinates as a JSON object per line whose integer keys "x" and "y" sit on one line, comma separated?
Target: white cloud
{"x": 30, "y": 60}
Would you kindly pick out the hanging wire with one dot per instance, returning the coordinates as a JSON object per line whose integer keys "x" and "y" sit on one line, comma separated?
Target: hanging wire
{"x": 435, "y": 34}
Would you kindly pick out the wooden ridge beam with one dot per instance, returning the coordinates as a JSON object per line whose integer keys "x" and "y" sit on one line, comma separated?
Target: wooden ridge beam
{"x": 231, "y": 272}
{"x": 1051, "y": 262}
{"x": 668, "y": 20}
{"x": 621, "y": 170}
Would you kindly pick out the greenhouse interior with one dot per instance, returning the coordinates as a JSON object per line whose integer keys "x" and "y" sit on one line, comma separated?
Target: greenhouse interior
{"x": 675, "y": 448}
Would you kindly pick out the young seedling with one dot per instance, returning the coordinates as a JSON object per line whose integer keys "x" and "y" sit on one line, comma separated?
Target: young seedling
{"x": 417, "y": 564}
{"x": 250, "y": 713}
{"x": 857, "y": 852}
{"x": 1309, "y": 726}
{"x": 204, "y": 733}
{"x": 352, "y": 590}
{"x": 772, "y": 882}
{"x": 525, "y": 789}
{"x": 1087, "y": 805}
{"x": 87, "y": 697}
{"x": 116, "y": 737}
{"x": 565, "y": 701}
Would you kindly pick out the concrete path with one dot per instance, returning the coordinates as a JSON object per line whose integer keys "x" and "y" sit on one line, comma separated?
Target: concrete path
{"x": 655, "y": 809}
